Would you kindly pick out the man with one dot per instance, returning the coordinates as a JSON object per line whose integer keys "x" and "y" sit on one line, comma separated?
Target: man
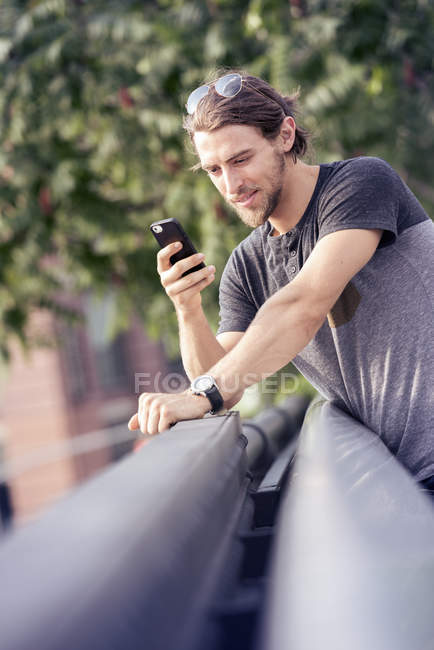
{"x": 337, "y": 276}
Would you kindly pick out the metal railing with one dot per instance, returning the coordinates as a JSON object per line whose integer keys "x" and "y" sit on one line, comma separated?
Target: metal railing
{"x": 353, "y": 563}
{"x": 133, "y": 557}
{"x": 169, "y": 548}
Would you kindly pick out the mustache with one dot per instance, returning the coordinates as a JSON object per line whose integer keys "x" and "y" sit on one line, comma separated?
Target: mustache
{"x": 243, "y": 191}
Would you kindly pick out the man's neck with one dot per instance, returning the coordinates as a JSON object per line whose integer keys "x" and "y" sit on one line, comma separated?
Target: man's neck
{"x": 298, "y": 188}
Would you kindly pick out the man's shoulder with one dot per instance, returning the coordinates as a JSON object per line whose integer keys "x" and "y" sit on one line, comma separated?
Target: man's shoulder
{"x": 364, "y": 167}
{"x": 365, "y": 176}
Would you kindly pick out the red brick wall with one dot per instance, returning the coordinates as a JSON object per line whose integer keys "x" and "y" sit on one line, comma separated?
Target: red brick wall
{"x": 36, "y": 409}
{"x": 33, "y": 414}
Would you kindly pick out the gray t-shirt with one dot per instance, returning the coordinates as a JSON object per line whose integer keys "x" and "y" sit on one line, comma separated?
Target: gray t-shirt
{"x": 374, "y": 354}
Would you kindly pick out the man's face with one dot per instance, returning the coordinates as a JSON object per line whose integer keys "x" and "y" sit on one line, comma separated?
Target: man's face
{"x": 247, "y": 169}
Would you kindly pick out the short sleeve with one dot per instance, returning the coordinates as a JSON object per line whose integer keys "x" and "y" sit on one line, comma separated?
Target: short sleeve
{"x": 236, "y": 309}
{"x": 363, "y": 193}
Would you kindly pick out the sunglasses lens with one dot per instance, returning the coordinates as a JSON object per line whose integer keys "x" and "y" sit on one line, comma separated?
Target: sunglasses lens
{"x": 229, "y": 85}
{"x": 195, "y": 98}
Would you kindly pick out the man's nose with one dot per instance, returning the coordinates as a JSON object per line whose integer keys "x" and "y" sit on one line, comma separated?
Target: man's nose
{"x": 232, "y": 182}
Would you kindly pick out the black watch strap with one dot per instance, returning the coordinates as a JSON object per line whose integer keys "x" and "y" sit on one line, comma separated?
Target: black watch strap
{"x": 216, "y": 400}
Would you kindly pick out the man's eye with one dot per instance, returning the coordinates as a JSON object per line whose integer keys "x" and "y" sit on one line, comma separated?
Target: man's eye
{"x": 212, "y": 170}
{"x": 240, "y": 160}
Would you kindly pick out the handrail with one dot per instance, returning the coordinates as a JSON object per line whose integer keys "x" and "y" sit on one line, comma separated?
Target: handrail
{"x": 129, "y": 555}
{"x": 133, "y": 556}
{"x": 353, "y": 565}
{"x": 272, "y": 429}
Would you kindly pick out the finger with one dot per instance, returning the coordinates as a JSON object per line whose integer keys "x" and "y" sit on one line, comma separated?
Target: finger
{"x": 197, "y": 280}
{"x": 183, "y": 297}
{"x": 164, "y": 255}
{"x": 176, "y": 271}
{"x": 133, "y": 422}
{"x": 153, "y": 419}
{"x": 165, "y": 420}
{"x": 171, "y": 277}
{"x": 145, "y": 401}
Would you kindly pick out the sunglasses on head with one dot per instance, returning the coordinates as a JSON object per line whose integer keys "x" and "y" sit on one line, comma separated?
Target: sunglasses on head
{"x": 227, "y": 86}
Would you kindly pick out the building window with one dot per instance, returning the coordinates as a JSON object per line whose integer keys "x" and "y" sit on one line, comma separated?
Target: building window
{"x": 109, "y": 353}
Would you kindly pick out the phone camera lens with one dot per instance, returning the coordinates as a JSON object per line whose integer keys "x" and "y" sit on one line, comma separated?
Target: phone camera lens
{"x": 157, "y": 229}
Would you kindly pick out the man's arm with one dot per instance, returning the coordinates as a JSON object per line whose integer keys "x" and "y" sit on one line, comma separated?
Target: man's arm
{"x": 291, "y": 317}
{"x": 200, "y": 349}
{"x": 282, "y": 327}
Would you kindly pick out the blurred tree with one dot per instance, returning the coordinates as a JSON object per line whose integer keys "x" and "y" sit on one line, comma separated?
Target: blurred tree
{"x": 92, "y": 149}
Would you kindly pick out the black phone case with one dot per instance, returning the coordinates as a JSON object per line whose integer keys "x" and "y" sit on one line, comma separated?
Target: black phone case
{"x": 173, "y": 231}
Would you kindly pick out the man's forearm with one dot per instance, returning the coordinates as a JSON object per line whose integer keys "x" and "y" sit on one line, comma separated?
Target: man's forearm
{"x": 199, "y": 347}
{"x": 280, "y": 330}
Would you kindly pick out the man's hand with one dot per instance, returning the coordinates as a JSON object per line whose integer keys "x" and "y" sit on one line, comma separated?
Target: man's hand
{"x": 158, "y": 411}
{"x": 184, "y": 292}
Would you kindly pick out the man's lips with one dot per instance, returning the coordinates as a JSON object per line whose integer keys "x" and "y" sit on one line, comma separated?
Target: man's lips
{"x": 246, "y": 199}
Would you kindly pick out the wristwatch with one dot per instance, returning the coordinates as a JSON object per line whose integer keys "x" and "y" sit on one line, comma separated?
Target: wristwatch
{"x": 205, "y": 385}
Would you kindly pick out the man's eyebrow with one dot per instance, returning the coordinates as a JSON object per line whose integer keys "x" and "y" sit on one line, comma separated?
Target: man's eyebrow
{"x": 233, "y": 157}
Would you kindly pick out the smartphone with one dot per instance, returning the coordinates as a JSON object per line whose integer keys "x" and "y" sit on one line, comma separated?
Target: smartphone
{"x": 168, "y": 231}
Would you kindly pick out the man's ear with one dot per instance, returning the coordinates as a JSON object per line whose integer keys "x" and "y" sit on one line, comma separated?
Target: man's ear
{"x": 287, "y": 133}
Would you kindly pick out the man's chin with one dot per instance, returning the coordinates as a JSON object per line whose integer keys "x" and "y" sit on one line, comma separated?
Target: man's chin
{"x": 252, "y": 218}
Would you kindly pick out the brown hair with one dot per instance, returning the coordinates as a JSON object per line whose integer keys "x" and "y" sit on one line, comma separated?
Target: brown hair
{"x": 257, "y": 104}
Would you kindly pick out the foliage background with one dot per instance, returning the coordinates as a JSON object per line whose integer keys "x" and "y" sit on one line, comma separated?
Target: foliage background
{"x": 91, "y": 145}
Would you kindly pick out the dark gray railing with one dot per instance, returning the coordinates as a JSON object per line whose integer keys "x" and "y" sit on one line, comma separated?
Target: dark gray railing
{"x": 271, "y": 430}
{"x": 353, "y": 564}
{"x": 133, "y": 558}
{"x": 169, "y": 548}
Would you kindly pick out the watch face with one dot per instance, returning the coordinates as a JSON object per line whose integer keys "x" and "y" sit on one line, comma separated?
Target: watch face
{"x": 203, "y": 383}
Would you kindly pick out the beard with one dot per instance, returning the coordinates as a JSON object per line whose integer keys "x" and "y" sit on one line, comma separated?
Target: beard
{"x": 258, "y": 215}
